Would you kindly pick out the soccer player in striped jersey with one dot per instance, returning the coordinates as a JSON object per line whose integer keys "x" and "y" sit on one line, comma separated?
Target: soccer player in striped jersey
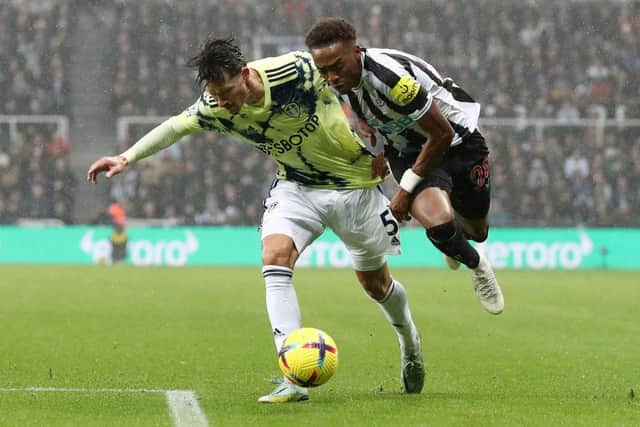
{"x": 325, "y": 178}
{"x": 432, "y": 142}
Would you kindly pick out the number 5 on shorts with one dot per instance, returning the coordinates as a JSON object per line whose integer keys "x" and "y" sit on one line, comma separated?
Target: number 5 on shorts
{"x": 389, "y": 220}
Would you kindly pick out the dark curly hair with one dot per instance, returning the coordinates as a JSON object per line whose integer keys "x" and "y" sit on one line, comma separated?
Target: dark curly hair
{"x": 327, "y": 31}
{"x": 216, "y": 58}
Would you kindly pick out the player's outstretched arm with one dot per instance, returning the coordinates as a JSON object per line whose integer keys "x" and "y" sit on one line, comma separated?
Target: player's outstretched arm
{"x": 111, "y": 166}
{"x": 158, "y": 138}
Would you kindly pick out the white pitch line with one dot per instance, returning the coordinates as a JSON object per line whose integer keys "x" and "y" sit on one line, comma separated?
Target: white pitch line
{"x": 183, "y": 404}
{"x": 86, "y": 390}
{"x": 185, "y": 409}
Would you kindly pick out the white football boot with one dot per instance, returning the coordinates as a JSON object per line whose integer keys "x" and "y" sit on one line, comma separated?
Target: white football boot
{"x": 487, "y": 287}
{"x": 285, "y": 392}
{"x": 452, "y": 263}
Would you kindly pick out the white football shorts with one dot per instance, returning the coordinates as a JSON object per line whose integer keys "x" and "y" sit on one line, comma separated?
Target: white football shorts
{"x": 360, "y": 218}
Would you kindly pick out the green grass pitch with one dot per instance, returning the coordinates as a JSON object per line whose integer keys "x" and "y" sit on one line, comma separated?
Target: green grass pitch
{"x": 566, "y": 351}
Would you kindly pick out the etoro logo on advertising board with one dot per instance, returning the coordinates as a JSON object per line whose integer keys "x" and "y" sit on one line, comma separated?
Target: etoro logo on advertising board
{"x": 325, "y": 254}
{"x": 537, "y": 254}
{"x": 144, "y": 252}
{"x": 503, "y": 252}
{"x": 518, "y": 248}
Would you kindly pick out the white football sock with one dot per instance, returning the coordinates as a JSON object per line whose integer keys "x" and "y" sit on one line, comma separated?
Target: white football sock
{"x": 396, "y": 308}
{"x": 282, "y": 302}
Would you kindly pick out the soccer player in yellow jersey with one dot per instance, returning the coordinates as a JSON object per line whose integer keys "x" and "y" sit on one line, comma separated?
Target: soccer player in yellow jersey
{"x": 325, "y": 178}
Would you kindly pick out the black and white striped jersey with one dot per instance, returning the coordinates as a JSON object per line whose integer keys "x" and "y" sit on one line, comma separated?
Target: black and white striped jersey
{"x": 397, "y": 88}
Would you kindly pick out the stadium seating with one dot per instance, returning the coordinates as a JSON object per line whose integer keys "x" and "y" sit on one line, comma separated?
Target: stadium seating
{"x": 505, "y": 54}
{"x": 35, "y": 178}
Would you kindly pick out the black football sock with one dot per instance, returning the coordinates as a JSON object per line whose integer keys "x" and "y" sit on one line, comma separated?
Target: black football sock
{"x": 451, "y": 241}
{"x": 469, "y": 236}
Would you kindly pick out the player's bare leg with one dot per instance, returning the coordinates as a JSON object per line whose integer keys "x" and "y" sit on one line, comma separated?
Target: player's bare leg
{"x": 432, "y": 208}
{"x": 437, "y": 211}
{"x": 392, "y": 300}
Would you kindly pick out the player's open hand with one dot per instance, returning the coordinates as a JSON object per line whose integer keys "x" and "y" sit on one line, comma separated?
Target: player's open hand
{"x": 112, "y": 165}
{"x": 399, "y": 205}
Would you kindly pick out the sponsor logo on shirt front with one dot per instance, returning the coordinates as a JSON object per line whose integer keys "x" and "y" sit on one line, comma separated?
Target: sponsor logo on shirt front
{"x": 394, "y": 126}
{"x": 294, "y": 140}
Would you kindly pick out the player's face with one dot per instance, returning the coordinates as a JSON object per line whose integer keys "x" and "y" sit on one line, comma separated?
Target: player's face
{"x": 232, "y": 93}
{"x": 339, "y": 63}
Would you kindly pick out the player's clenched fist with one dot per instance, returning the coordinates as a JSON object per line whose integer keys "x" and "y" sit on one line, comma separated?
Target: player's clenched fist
{"x": 110, "y": 165}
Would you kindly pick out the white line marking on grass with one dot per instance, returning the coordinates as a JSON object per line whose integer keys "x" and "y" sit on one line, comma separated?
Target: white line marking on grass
{"x": 87, "y": 390}
{"x": 183, "y": 404}
{"x": 185, "y": 409}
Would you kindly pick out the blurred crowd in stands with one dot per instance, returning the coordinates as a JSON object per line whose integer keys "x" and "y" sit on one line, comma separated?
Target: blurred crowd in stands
{"x": 36, "y": 180}
{"x": 34, "y": 56}
{"x": 544, "y": 59}
{"x": 565, "y": 178}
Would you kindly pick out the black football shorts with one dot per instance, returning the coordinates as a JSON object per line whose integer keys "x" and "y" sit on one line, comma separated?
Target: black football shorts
{"x": 463, "y": 174}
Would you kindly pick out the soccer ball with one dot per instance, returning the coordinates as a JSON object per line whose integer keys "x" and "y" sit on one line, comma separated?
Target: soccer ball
{"x": 308, "y": 357}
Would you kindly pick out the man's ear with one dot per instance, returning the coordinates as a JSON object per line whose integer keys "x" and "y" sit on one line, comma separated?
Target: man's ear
{"x": 245, "y": 72}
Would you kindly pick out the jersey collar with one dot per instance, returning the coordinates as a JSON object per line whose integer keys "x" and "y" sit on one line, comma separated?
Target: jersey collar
{"x": 267, "y": 88}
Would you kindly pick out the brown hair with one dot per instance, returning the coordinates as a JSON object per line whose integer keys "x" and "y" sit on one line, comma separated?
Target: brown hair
{"x": 216, "y": 58}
